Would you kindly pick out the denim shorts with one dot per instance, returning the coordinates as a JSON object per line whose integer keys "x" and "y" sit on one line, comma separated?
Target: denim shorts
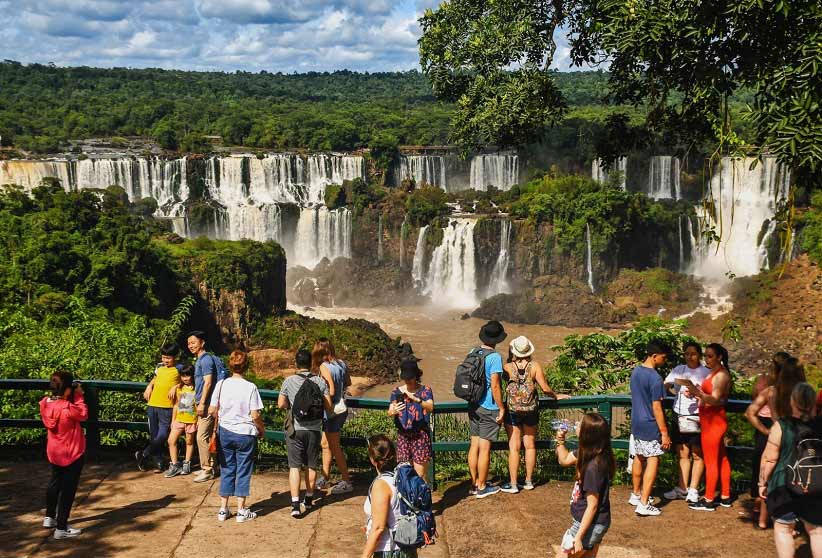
{"x": 788, "y": 518}
{"x": 335, "y": 423}
{"x": 593, "y": 536}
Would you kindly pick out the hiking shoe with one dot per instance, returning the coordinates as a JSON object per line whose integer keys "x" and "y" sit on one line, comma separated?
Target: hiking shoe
{"x": 636, "y": 499}
{"x": 296, "y": 509}
{"x": 487, "y": 491}
{"x": 66, "y": 533}
{"x": 49, "y": 522}
{"x": 322, "y": 483}
{"x": 529, "y": 485}
{"x": 693, "y": 496}
{"x": 186, "y": 469}
{"x": 308, "y": 501}
{"x": 509, "y": 488}
{"x": 174, "y": 469}
{"x": 245, "y": 515}
{"x": 703, "y": 505}
{"x": 647, "y": 510}
{"x": 222, "y": 515}
{"x": 473, "y": 490}
{"x": 141, "y": 462}
{"x": 159, "y": 465}
{"x": 203, "y": 476}
{"x": 726, "y": 502}
{"x": 342, "y": 487}
{"x": 675, "y": 493}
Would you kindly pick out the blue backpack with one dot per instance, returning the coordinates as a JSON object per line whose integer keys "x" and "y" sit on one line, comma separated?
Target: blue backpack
{"x": 416, "y": 526}
{"x": 222, "y": 371}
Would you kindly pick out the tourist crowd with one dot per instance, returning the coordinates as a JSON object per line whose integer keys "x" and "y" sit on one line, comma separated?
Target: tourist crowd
{"x": 217, "y": 409}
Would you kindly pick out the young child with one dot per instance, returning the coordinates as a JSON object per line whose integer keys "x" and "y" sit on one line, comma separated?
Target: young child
{"x": 158, "y": 394}
{"x": 183, "y": 419}
{"x": 590, "y": 501}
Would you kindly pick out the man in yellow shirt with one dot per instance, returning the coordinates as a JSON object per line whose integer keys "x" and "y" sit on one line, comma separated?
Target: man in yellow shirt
{"x": 160, "y": 407}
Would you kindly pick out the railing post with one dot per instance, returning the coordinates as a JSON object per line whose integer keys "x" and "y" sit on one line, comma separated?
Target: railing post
{"x": 433, "y": 452}
{"x": 93, "y": 423}
{"x": 605, "y": 408}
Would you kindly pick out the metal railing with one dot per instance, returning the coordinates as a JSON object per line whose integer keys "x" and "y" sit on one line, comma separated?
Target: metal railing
{"x": 603, "y": 404}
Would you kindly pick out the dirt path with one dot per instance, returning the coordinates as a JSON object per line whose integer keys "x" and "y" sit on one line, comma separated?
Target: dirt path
{"x": 127, "y": 514}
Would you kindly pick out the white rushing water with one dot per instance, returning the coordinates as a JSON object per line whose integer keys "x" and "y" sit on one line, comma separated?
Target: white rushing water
{"x": 321, "y": 233}
{"x": 422, "y": 169}
{"x": 500, "y": 170}
{"x": 601, "y": 174}
{"x": 451, "y": 278}
{"x": 499, "y": 275}
{"x": 418, "y": 265}
{"x": 588, "y": 261}
{"x": 740, "y": 201}
{"x": 663, "y": 177}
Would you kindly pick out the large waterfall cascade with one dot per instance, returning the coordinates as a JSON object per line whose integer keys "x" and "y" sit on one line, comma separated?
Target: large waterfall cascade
{"x": 451, "y": 279}
{"x": 743, "y": 201}
{"x": 500, "y": 170}
{"x": 422, "y": 169}
{"x": 499, "y": 275}
{"x": 601, "y": 174}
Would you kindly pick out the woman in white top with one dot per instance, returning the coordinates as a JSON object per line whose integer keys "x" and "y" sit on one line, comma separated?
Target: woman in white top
{"x": 382, "y": 506}
{"x": 686, "y": 430}
{"x": 236, "y": 404}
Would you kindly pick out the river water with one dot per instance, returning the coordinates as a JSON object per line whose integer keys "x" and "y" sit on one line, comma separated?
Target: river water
{"x": 441, "y": 339}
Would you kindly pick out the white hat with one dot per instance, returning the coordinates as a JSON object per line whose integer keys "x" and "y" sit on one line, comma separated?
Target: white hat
{"x": 522, "y": 347}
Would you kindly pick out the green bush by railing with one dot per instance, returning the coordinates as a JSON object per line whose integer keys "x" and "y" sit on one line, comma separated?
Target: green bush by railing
{"x": 115, "y": 407}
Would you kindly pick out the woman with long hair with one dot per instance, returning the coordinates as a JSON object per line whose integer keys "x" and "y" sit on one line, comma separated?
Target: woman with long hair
{"x": 761, "y": 416}
{"x": 590, "y": 499}
{"x": 713, "y": 395}
{"x": 774, "y": 476}
{"x": 334, "y": 371}
{"x": 382, "y": 505}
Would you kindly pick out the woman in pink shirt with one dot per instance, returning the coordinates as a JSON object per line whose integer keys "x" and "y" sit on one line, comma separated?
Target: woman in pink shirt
{"x": 62, "y": 413}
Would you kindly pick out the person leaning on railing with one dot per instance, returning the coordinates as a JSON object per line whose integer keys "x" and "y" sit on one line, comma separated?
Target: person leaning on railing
{"x": 61, "y": 413}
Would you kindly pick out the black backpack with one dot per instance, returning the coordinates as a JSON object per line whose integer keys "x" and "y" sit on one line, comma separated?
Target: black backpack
{"x": 308, "y": 403}
{"x": 469, "y": 382}
{"x": 805, "y": 475}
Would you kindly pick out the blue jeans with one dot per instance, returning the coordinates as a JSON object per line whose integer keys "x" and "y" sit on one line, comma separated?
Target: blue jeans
{"x": 159, "y": 426}
{"x": 236, "y": 457}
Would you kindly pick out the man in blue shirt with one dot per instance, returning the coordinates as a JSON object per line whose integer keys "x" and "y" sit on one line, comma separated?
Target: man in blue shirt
{"x": 484, "y": 419}
{"x": 648, "y": 428}
{"x": 205, "y": 378}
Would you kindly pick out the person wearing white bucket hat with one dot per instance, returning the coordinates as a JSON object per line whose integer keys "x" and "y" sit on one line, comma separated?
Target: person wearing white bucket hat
{"x": 522, "y": 375}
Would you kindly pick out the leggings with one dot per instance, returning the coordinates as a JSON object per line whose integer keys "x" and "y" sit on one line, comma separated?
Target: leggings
{"x": 61, "y": 490}
{"x": 717, "y": 466}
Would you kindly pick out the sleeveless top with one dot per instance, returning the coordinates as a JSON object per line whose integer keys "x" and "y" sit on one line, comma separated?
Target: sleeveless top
{"x": 338, "y": 370}
{"x": 710, "y": 410}
{"x": 386, "y": 540}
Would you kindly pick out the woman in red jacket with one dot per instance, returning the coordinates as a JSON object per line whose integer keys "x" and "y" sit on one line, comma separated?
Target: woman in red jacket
{"x": 62, "y": 414}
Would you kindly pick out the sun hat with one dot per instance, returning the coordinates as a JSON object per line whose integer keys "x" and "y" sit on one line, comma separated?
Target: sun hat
{"x": 492, "y": 333}
{"x": 409, "y": 369}
{"x": 522, "y": 347}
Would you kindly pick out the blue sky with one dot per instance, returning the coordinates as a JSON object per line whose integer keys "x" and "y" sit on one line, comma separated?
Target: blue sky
{"x": 252, "y": 35}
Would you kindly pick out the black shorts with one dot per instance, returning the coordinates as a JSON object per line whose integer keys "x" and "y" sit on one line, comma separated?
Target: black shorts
{"x": 684, "y": 438}
{"x": 303, "y": 449}
{"x": 522, "y": 419}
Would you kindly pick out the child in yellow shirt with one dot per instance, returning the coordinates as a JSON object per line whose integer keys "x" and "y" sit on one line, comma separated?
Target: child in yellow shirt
{"x": 166, "y": 376}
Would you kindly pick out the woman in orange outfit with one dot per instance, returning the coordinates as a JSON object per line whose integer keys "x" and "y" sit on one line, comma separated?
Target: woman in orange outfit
{"x": 713, "y": 395}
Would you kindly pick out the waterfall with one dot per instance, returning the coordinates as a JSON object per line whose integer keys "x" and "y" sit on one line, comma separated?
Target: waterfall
{"x": 681, "y": 250}
{"x": 403, "y": 234}
{"x": 589, "y": 263}
{"x": 29, "y": 174}
{"x": 741, "y": 202}
{"x": 663, "y": 177}
{"x": 422, "y": 169}
{"x": 601, "y": 174}
{"x": 379, "y": 239}
{"x": 451, "y": 278}
{"x": 330, "y": 169}
{"x": 500, "y": 170}
{"x": 499, "y": 275}
{"x": 321, "y": 233}
{"x": 418, "y": 265}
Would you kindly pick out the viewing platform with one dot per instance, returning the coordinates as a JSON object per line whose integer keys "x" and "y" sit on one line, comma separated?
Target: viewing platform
{"x": 128, "y": 514}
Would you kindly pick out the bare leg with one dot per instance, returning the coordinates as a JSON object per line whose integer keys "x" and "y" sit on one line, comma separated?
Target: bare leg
{"x": 190, "y": 440}
{"x": 294, "y": 482}
{"x": 311, "y": 480}
{"x": 648, "y": 478}
{"x": 483, "y": 462}
{"x": 240, "y": 503}
{"x": 326, "y": 456}
{"x": 337, "y": 452}
{"x": 514, "y": 443}
{"x": 223, "y": 502}
{"x": 172, "y": 444}
{"x": 815, "y": 535}
{"x": 421, "y": 469}
{"x": 698, "y": 467}
{"x": 636, "y": 473}
{"x": 684, "y": 453}
{"x": 783, "y": 539}
{"x": 529, "y": 436}
{"x": 473, "y": 457}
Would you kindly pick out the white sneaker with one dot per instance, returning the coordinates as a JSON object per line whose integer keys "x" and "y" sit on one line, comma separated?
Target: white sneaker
{"x": 222, "y": 515}
{"x": 68, "y": 533}
{"x": 647, "y": 510}
{"x": 693, "y": 496}
{"x": 342, "y": 487}
{"x": 49, "y": 522}
{"x": 245, "y": 515}
{"x": 675, "y": 493}
{"x": 636, "y": 499}
{"x": 322, "y": 482}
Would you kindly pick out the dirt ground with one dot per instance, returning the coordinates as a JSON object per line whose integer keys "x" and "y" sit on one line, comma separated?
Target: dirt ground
{"x": 125, "y": 513}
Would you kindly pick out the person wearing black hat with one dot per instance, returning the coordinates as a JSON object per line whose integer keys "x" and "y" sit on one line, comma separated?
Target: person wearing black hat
{"x": 486, "y": 418}
{"x": 411, "y": 406}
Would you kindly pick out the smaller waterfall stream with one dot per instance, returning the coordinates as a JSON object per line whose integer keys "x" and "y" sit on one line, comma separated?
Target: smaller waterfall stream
{"x": 451, "y": 278}
{"x": 418, "y": 266}
{"x": 589, "y": 263}
{"x": 379, "y": 239}
{"x": 499, "y": 275}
